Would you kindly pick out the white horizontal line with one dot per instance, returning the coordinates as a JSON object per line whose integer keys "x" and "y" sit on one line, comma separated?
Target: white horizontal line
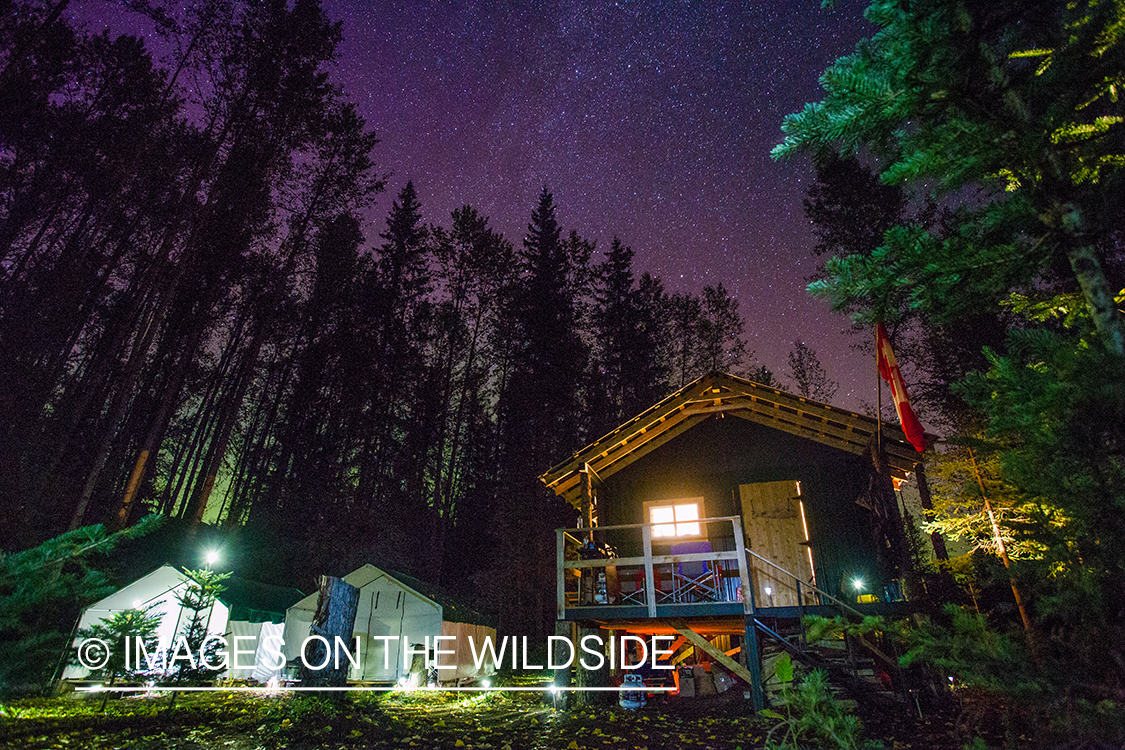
{"x": 365, "y": 689}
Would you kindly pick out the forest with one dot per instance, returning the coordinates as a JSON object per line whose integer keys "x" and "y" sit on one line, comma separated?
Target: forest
{"x": 205, "y": 318}
{"x": 196, "y": 326}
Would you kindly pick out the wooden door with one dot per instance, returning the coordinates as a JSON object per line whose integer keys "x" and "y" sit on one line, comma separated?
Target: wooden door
{"x": 771, "y": 518}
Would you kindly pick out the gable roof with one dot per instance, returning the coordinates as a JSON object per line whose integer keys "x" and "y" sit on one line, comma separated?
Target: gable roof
{"x": 452, "y": 609}
{"x": 254, "y": 601}
{"x": 722, "y": 393}
{"x": 246, "y": 599}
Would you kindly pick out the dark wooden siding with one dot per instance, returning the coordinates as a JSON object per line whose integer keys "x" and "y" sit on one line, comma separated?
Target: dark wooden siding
{"x": 713, "y": 458}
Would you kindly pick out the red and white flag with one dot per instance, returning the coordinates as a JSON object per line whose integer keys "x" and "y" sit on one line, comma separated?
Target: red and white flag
{"x": 888, "y": 369}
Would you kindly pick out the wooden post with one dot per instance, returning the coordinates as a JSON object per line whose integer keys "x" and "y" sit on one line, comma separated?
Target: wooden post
{"x": 801, "y": 608}
{"x": 563, "y": 676}
{"x": 588, "y": 499}
{"x": 650, "y": 578}
{"x": 587, "y": 678}
{"x": 753, "y": 662}
{"x": 743, "y": 571}
{"x": 928, "y": 505}
{"x": 886, "y": 504}
{"x": 560, "y": 572}
{"x": 336, "y": 608}
{"x": 878, "y": 396}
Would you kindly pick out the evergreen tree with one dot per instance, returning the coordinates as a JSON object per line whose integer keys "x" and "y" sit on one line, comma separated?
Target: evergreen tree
{"x": 193, "y": 657}
{"x": 1017, "y": 100}
{"x": 628, "y": 372}
{"x": 850, "y": 208}
{"x": 540, "y": 410}
{"x": 809, "y": 375}
{"x": 762, "y": 374}
{"x": 1012, "y": 112}
{"x": 721, "y": 346}
{"x": 42, "y": 591}
{"x": 132, "y": 633}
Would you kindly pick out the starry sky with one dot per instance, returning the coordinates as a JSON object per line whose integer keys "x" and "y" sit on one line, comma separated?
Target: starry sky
{"x": 651, "y": 121}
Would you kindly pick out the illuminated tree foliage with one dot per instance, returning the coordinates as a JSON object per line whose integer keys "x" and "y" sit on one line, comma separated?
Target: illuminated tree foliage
{"x": 193, "y": 657}
{"x": 1011, "y": 114}
{"x": 42, "y": 591}
{"x": 1012, "y": 107}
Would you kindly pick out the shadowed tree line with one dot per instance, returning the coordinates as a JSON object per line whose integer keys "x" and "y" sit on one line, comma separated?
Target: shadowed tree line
{"x": 193, "y": 323}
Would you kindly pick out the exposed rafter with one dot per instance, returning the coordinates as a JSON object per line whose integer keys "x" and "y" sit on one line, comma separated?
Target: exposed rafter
{"x": 721, "y": 393}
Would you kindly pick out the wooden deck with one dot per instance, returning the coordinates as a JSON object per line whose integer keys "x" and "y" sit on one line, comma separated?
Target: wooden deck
{"x": 696, "y": 584}
{"x": 727, "y": 616}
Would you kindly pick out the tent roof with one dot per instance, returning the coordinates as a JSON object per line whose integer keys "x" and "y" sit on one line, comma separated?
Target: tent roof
{"x": 452, "y": 610}
{"x": 246, "y": 599}
{"x": 150, "y": 586}
{"x": 722, "y": 393}
{"x": 254, "y": 601}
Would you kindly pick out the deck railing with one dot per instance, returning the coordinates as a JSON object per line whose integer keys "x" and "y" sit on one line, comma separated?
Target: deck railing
{"x": 693, "y": 578}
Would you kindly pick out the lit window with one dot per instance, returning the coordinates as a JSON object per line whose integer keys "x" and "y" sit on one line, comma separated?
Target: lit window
{"x": 681, "y": 519}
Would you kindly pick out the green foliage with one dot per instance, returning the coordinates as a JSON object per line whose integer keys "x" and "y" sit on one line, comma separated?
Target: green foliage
{"x": 1057, "y": 415}
{"x": 810, "y": 716}
{"x": 959, "y": 513}
{"x": 1009, "y": 110}
{"x": 191, "y": 652}
{"x": 1011, "y": 113}
{"x": 762, "y": 374}
{"x": 42, "y": 591}
{"x": 974, "y": 654}
{"x": 121, "y": 632}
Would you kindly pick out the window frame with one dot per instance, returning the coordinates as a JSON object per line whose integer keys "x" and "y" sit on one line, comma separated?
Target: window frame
{"x": 650, "y": 505}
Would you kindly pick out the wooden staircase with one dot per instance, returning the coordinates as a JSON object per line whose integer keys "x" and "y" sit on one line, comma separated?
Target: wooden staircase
{"x": 854, "y": 664}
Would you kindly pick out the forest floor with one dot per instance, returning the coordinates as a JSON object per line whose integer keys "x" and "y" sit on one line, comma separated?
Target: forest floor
{"x": 424, "y": 720}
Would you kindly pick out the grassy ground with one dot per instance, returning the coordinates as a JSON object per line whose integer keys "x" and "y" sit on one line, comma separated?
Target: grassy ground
{"x": 496, "y": 721}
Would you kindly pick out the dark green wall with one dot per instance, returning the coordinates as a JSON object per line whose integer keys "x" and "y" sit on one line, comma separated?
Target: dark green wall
{"x": 714, "y": 457}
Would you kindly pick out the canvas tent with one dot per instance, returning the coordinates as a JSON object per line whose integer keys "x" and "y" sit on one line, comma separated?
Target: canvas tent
{"x": 401, "y": 609}
{"x": 247, "y": 608}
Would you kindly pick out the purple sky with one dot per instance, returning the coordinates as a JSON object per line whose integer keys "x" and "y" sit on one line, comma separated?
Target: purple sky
{"x": 649, "y": 120}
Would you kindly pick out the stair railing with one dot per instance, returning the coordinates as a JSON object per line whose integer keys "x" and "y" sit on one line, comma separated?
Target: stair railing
{"x": 891, "y": 663}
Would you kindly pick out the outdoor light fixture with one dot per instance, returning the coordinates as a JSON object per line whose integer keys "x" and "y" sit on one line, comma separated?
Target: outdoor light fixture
{"x": 858, "y": 584}
{"x": 212, "y": 557}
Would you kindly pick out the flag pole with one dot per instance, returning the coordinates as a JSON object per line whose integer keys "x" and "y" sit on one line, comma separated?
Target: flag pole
{"x": 878, "y": 395}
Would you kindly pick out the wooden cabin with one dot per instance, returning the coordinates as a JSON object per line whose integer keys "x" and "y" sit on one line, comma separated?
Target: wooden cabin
{"x": 727, "y": 503}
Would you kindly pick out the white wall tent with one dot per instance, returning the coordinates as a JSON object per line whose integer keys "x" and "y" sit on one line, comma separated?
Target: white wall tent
{"x": 247, "y": 608}
{"x": 404, "y": 610}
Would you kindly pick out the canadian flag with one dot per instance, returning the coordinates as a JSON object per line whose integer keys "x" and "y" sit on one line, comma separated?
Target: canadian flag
{"x": 888, "y": 369}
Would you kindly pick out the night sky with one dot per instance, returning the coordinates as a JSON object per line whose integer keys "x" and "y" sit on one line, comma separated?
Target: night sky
{"x": 652, "y": 121}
